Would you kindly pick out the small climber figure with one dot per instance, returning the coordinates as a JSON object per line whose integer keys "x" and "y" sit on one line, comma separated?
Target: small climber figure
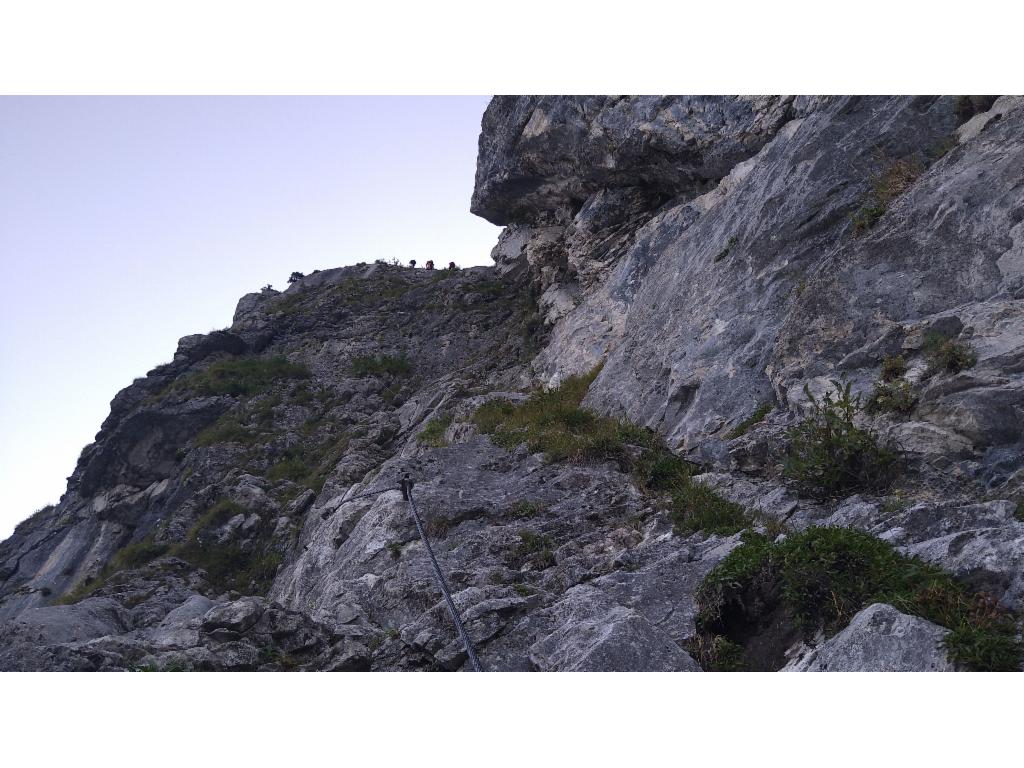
{"x": 451, "y": 266}
{"x": 412, "y": 263}
{"x": 406, "y": 485}
{"x": 430, "y": 265}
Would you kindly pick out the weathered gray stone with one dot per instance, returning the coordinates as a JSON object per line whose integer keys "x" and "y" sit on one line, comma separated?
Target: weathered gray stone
{"x": 879, "y": 639}
{"x": 593, "y": 634}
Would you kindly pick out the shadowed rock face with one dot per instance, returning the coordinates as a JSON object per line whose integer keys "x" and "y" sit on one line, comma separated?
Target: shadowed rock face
{"x": 704, "y": 250}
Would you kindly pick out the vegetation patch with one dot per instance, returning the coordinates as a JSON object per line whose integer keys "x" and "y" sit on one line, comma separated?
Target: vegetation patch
{"x": 554, "y": 423}
{"x": 715, "y": 653}
{"x": 245, "y": 376}
{"x": 696, "y": 507}
{"x": 229, "y": 428}
{"x": 892, "y": 181}
{"x": 891, "y": 397}
{"x": 219, "y": 513}
{"x": 829, "y": 454}
{"x": 728, "y": 247}
{"x": 381, "y": 365}
{"x": 432, "y": 435}
{"x": 820, "y": 578}
{"x": 230, "y": 567}
{"x": 308, "y": 464}
{"x": 533, "y": 548}
{"x": 127, "y": 558}
{"x": 893, "y": 367}
{"x": 947, "y": 355}
{"x": 525, "y": 509}
{"x": 753, "y": 419}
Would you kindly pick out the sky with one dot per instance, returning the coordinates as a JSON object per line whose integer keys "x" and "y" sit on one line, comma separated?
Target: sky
{"x": 127, "y": 223}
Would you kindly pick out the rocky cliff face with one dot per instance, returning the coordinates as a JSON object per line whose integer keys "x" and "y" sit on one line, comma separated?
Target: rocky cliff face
{"x": 719, "y": 257}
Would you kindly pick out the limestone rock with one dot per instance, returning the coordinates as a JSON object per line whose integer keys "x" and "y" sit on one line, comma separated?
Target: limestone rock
{"x": 879, "y": 639}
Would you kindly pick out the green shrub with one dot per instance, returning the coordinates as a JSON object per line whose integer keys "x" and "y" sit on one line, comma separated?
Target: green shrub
{"x": 1018, "y": 510}
{"x": 829, "y": 455}
{"x": 381, "y": 365}
{"x": 822, "y": 577}
{"x": 893, "y": 367}
{"x": 893, "y": 397}
{"x": 893, "y": 180}
{"x": 433, "y": 434}
{"x": 947, "y": 355}
{"x": 246, "y": 376}
{"x": 755, "y": 418}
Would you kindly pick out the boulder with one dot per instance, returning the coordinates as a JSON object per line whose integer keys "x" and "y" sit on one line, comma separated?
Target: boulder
{"x": 879, "y": 639}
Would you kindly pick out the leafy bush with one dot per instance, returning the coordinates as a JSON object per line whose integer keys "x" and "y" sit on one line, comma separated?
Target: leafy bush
{"x": 947, "y": 355}
{"x": 829, "y": 455}
{"x": 433, "y": 434}
{"x": 892, "y": 181}
{"x": 755, "y": 418}
{"x": 246, "y": 376}
{"x": 894, "y": 397}
{"x": 381, "y": 365}
{"x": 822, "y": 577}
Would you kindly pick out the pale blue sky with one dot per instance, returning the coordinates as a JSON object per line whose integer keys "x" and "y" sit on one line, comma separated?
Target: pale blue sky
{"x": 126, "y": 223}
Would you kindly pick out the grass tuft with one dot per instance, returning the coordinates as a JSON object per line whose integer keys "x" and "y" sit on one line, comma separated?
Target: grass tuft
{"x": 432, "y": 434}
{"x": 892, "y": 181}
{"x": 381, "y": 365}
{"x": 554, "y": 423}
{"x": 245, "y": 376}
{"x": 822, "y": 577}
{"x": 753, "y": 419}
